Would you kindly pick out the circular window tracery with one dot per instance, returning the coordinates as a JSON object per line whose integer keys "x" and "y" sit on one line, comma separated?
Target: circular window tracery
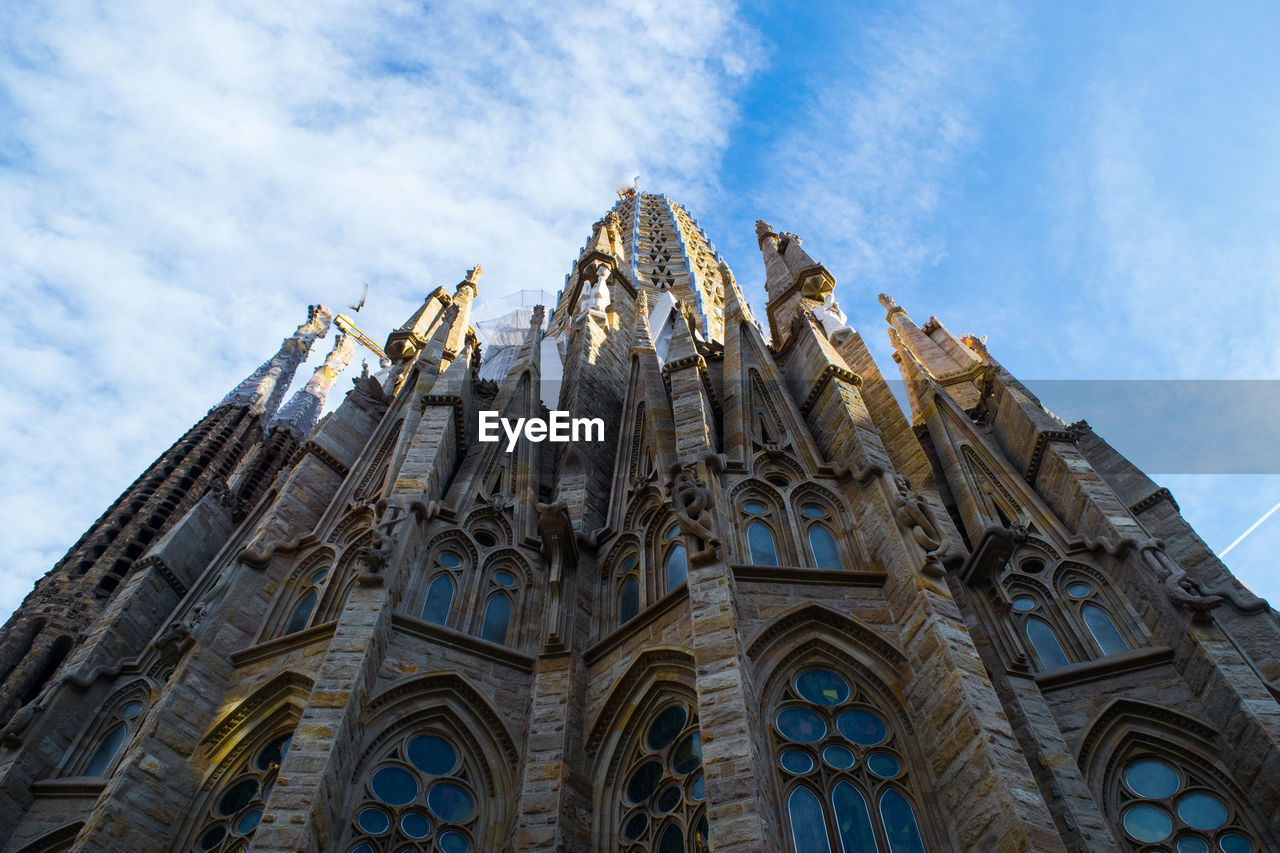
{"x": 237, "y": 811}
{"x": 1163, "y": 804}
{"x": 663, "y": 791}
{"x": 420, "y": 790}
{"x": 856, "y": 797}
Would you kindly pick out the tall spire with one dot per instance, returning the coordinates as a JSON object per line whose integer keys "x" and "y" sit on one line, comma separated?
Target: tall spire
{"x": 300, "y": 414}
{"x": 263, "y": 389}
{"x": 793, "y": 279}
{"x": 931, "y": 352}
{"x": 649, "y": 242}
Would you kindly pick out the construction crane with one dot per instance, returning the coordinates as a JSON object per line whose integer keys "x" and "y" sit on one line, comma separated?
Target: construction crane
{"x": 346, "y": 324}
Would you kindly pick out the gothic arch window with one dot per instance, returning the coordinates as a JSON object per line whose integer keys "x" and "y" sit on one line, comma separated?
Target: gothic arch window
{"x": 675, "y": 559}
{"x": 1064, "y": 615}
{"x": 420, "y": 794}
{"x": 497, "y": 619}
{"x": 761, "y": 546}
{"x": 1160, "y": 802}
{"x": 439, "y": 599}
{"x": 628, "y": 589}
{"x": 234, "y": 812}
{"x": 761, "y": 520}
{"x": 817, "y": 517}
{"x": 501, "y": 592}
{"x": 661, "y": 790}
{"x": 300, "y": 602}
{"x": 305, "y": 597}
{"x": 1094, "y": 603}
{"x": 104, "y": 745}
{"x": 444, "y": 569}
{"x": 846, "y": 776}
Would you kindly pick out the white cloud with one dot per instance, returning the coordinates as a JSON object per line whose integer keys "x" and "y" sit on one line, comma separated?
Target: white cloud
{"x": 178, "y": 181}
{"x": 863, "y": 171}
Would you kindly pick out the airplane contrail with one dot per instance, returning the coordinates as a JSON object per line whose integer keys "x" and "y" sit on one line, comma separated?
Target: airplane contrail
{"x": 1252, "y": 528}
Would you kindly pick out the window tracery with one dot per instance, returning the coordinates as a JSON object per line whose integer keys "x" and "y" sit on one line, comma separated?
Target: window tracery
{"x": 1162, "y": 805}
{"x": 444, "y": 569}
{"x": 628, "y": 586}
{"x": 822, "y": 544}
{"x": 236, "y": 810}
{"x": 764, "y": 521}
{"x": 305, "y": 598}
{"x": 114, "y": 729}
{"x": 662, "y": 791}
{"x": 846, "y": 779}
{"x": 420, "y": 795}
{"x": 1065, "y": 615}
{"x": 675, "y": 560}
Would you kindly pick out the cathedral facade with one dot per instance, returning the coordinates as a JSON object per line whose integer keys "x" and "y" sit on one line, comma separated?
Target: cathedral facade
{"x": 767, "y": 611}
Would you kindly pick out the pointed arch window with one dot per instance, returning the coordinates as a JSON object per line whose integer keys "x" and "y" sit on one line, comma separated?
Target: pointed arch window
{"x": 421, "y": 795}
{"x": 1064, "y": 614}
{"x": 444, "y": 569}
{"x": 237, "y": 808}
{"x": 823, "y": 549}
{"x": 1104, "y": 631}
{"x": 628, "y": 590}
{"x": 762, "y": 523}
{"x": 845, "y": 773}
{"x": 1088, "y": 598}
{"x": 675, "y": 562}
{"x": 439, "y": 599}
{"x": 100, "y": 756}
{"x": 661, "y": 801}
{"x": 502, "y": 596}
{"x": 306, "y": 594}
{"x": 497, "y": 619}
{"x": 822, "y": 546}
{"x": 763, "y": 550}
{"x": 677, "y": 568}
{"x": 1045, "y": 643}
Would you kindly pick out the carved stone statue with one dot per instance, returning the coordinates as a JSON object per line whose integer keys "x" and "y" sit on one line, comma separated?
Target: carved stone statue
{"x": 375, "y": 556}
{"x": 916, "y": 517}
{"x": 595, "y": 296}
{"x": 692, "y": 502}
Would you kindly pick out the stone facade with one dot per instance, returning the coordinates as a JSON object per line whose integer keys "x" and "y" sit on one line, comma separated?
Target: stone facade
{"x": 767, "y": 612}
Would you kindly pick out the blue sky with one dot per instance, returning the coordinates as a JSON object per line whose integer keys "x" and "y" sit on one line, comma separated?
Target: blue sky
{"x": 1094, "y": 186}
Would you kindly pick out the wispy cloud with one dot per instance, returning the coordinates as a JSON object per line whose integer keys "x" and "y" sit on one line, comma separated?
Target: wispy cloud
{"x": 179, "y": 180}
{"x": 877, "y": 143}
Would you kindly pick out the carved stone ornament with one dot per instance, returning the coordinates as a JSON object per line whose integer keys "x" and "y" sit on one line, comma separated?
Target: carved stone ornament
{"x": 369, "y": 396}
{"x": 1178, "y": 587}
{"x": 916, "y": 518}
{"x": 692, "y": 501}
{"x": 11, "y": 734}
{"x": 374, "y": 557}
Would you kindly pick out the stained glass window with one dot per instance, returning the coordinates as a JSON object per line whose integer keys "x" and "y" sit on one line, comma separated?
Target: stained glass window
{"x": 629, "y": 600}
{"x": 497, "y": 616}
{"x": 114, "y": 731}
{"x": 760, "y": 542}
{"x": 661, "y": 801}
{"x": 843, "y": 774}
{"x": 823, "y": 547}
{"x": 1161, "y": 803}
{"x": 1045, "y": 643}
{"x": 677, "y": 568}
{"x": 237, "y": 809}
{"x": 439, "y": 599}
{"x": 418, "y": 797}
